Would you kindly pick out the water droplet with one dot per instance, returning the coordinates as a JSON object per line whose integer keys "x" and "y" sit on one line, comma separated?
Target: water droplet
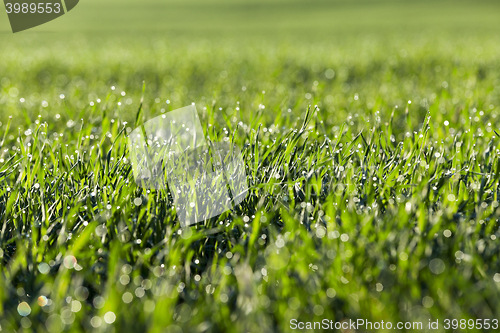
{"x": 110, "y": 317}
{"x": 24, "y": 309}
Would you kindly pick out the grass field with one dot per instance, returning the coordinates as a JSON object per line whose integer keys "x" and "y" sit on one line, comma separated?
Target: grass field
{"x": 371, "y": 152}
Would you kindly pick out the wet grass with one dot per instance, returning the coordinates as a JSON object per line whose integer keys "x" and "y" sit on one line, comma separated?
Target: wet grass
{"x": 373, "y": 170}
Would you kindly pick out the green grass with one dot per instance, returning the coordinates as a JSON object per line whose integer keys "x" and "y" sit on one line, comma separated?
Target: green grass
{"x": 361, "y": 204}
{"x": 369, "y": 196}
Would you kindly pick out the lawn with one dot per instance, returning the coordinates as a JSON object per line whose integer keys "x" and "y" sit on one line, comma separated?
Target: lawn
{"x": 372, "y": 149}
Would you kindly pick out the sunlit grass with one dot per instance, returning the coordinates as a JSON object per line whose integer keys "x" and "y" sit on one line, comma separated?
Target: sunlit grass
{"x": 373, "y": 175}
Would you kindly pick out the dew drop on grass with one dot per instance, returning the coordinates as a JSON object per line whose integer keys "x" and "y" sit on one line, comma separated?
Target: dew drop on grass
{"x": 25, "y": 322}
{"x": 98, "y": 302}
{"x": 43, "y": 268}
{"x": 127, "y": 297}
{"x": 101, "y": 230}
{"x": 110, "y": 317}
{"x": 76, "y": 306}
{"x": 95, "y": 321}
{"x": 427, "y": 302}
{"x": 42, "y": 300}
{"x": 437, "y": 266}
{"x": 23, "y": 309}
{"x": 69, "y": 262}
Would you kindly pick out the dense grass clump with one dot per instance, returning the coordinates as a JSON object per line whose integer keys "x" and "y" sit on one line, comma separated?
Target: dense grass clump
{"x": 373, "y": 169}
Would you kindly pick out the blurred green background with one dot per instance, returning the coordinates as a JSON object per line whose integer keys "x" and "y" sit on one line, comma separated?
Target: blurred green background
{"x": 309, "y": 19}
